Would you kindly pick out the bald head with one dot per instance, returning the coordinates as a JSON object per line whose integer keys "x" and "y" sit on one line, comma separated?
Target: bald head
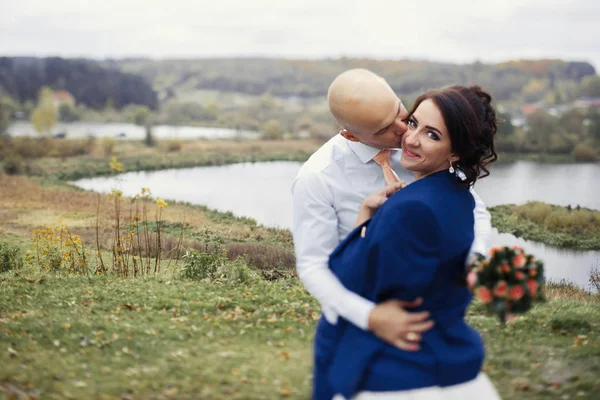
{"x": 361, "y": 101}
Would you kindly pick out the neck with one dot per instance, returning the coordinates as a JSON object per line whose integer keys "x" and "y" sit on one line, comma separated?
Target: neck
{"x": 422, "y": 174}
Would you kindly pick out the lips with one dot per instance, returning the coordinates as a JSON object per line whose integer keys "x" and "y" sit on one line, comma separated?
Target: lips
{"x": 407, "y": 153}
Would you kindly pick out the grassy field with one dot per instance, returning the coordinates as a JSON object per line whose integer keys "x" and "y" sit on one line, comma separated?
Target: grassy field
{"x": 165, "y": 337}
{"x": 553, "y": 225}
{"x": 162, "y": 337}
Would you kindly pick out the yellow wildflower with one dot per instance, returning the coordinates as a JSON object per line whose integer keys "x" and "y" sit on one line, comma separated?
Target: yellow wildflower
{"x": 160, "y": 203}
{"x": 116, "y": 165}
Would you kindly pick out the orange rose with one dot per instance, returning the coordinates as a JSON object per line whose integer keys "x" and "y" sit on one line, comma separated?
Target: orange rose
{"x": 516, "y": 292}
{"x": 519, "y": 275}
{"x": 501, "y": 289}
{"x": 505, "y": 268}
{"x": 532, "y": 287}
{"x": 484, "y": 294}
{"x": 519, "y": 261}
{"x": 533, "y": 272}
{"x": 495, "y": 249}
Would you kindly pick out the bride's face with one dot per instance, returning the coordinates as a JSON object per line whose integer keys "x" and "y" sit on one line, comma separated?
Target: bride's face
{"x": 426, "y": 146}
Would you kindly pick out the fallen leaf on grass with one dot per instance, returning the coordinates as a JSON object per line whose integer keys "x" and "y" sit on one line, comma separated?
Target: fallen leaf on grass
{"x": 580, "y": 340}
{"x": 130, "y": 307}
{"x": 13, "y": 353}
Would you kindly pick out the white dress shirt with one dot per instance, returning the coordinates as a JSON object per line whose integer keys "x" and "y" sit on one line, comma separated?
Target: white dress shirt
{"x": 327, "y": 194}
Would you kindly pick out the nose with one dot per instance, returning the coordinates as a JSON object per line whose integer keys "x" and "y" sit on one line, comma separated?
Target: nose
{"x": 411, "y": 138}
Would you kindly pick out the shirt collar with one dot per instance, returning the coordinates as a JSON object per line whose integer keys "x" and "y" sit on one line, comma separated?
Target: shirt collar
{"x": 364, "y": 152}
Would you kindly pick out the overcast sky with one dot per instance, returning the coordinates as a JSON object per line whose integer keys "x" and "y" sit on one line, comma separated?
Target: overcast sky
{"x": 453, "y": 30}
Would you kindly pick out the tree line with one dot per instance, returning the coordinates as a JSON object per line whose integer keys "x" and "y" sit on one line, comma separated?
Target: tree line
{"x": 521, "y": 81}
{"x": 92, "y": 83}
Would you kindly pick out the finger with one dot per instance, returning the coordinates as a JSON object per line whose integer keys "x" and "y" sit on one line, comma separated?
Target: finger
{"x": 417, "y": 317}
{"x": 420, "y": 327}
{"x": 413, "y": 337}
{"x": 411, "y": 304}
{"x": 407, "y": 346}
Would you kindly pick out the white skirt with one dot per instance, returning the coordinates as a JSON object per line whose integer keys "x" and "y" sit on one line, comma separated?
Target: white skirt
{"x": 479, "y": 388}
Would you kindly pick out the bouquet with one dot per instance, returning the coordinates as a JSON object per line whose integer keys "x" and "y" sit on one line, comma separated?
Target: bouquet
{"x": 508, "y": 283}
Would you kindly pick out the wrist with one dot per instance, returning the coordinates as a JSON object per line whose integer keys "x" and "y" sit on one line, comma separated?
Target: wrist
{"x": 373, "y": 320}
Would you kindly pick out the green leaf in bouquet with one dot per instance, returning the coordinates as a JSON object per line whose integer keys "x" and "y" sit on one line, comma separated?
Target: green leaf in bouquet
{"x": 521, "y": 306}
{"x": 499, "y": 309}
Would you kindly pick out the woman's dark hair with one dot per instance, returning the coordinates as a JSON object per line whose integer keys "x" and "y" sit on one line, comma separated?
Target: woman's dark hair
{"x": 471, "y": 122}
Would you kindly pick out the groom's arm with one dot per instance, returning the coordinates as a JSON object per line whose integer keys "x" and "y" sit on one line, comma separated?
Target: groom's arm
{"x": 483, "y": 226}
{"x": 315, "y": 231}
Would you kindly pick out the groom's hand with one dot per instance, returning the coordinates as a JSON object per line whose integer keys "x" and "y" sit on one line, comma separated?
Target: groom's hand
{"x": 372, "y": 202}
{"x": 391, "y": 322}
{"x": 376, "y": 200}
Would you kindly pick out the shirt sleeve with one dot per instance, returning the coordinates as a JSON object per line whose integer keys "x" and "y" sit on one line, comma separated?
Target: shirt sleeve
{"x": 315, "y": 232}
{"x": 483, "y": 226}
{"x": 404, "y": 251}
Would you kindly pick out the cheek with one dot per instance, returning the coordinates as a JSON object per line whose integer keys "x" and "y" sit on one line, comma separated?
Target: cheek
{"x": 436, "y": 151}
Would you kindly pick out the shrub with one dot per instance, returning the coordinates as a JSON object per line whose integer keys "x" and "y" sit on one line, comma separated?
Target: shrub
{"x": 265, "y": 257}
{"x": 174, "y": 145}
{"x": 215, "y": 266}
{"x": 13, "y": 165}
{"x": 28, "y": 147}
{"x": 56, "y": 249}
{"x": 595, "y": 278}
{"x": 10, "y": 257}
{"x": 108, "y": 145}
{"x": 535, "y": 211}
{"x": 202, "y": 265}
{"x": 71, "y": 147}
{"x": 584, "y": 153}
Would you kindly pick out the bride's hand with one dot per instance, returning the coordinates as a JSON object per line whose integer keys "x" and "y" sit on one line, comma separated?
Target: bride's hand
{"x": 372, "y": 202}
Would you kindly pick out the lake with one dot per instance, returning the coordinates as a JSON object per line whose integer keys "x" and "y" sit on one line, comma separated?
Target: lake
{"x": 131, "y": 131}
{"x": 262, "y": 191}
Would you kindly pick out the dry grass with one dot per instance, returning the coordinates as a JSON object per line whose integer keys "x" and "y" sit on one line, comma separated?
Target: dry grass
{"x": 30, "y": 148}
{"x": 29, "y": 203}
{"x": 558, "y": 291}
{"x": 554, "y": 217}
{"x": 35, "y": 148}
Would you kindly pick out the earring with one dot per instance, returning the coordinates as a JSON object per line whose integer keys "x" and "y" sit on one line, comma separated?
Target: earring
{"x": 451, "y": 169}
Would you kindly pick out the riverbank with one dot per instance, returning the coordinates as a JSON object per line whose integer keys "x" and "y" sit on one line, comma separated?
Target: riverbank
{"x": 553, "y": 225}
{"x": 28, "y": 203}
{"x": 135, "y": 156}
{"x": 72, "y": 159}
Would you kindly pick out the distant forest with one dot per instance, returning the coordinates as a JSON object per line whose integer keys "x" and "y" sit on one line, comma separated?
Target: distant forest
{"x": 118, "y": 83}
{"x": 91, "y": 83}
{"x": 519, "y": 81}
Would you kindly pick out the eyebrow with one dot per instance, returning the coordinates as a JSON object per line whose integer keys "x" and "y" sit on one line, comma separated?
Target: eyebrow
{"x": 388, "y": 126}
{"x": 433, "y": 128}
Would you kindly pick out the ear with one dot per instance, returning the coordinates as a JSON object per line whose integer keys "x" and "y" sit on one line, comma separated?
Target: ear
{"x": 349, "y": 136}
{"x": 453, "y": 158}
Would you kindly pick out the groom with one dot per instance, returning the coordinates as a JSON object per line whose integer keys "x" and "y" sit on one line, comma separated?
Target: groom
{"x": 362, "y": 161}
